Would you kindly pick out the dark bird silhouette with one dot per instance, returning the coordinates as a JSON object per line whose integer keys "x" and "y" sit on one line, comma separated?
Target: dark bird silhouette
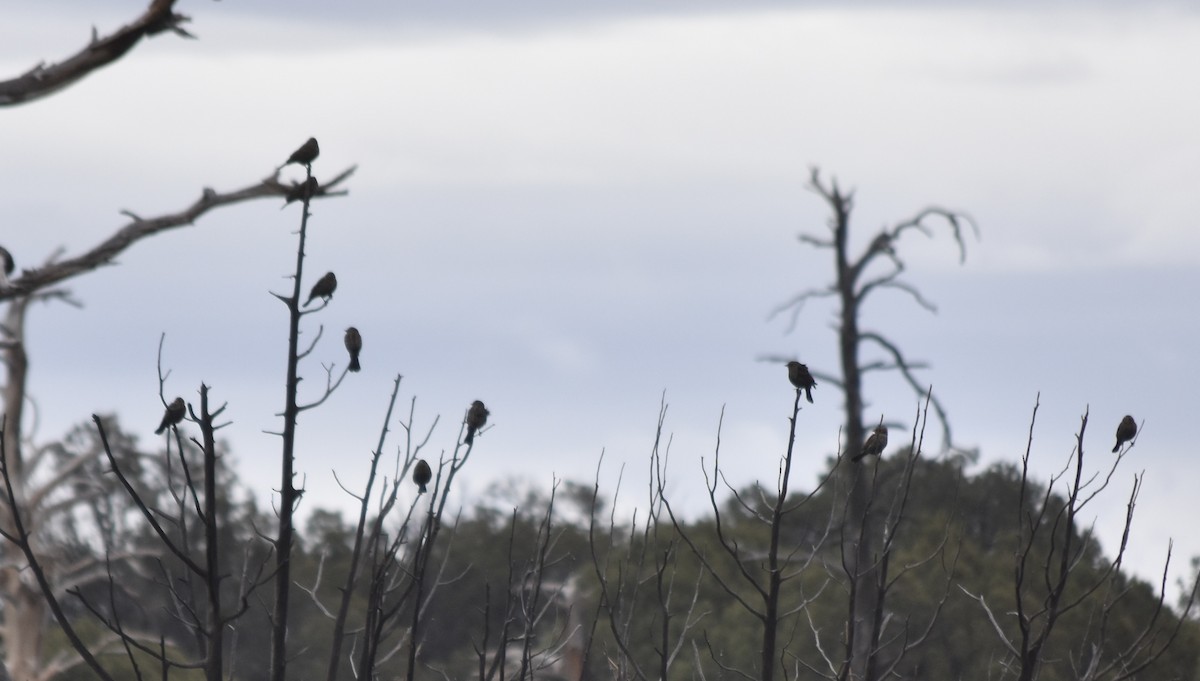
{"x": 6, "y": 264}
{"x": 799, "y": 376}
{"x": 353, "y": 346}
{"x": 874, "y": 445}
{"x": 176, "y": 410}
{"x": 324, "y": 288}
{"x": 476, "y": 417}
{"x": 1125, "y": 432}
{"x": 306, "y": 154}
{"x": 302, "y": 191}
{"x": 422, "y": 475}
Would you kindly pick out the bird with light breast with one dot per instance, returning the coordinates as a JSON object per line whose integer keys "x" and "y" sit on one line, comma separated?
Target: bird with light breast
{"x": 874, "y": 445}
{"x": 800, "y": 377}
{"x": 324, "y": 288}
{"x": 306, "y": 154}
{"x": 422, "y": 474}
{"x": 176, "y": 410}
{"x": 353, "y": 346}
{"x": 477, "y": 416}
{"x": 1126, "y": 431}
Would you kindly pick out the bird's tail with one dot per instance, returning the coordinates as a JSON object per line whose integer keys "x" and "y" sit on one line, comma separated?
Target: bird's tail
{"x": 808, "y": 395}
{"x": 421, "y": 490}
{"x": 1117, "y": 447}
{"x": 354, "y": 365}
{"x": 164, "y": 427}
{"x": 470, "y": 438}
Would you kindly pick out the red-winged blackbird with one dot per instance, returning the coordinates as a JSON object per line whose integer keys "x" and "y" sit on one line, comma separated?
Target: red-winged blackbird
{"x": 306, "y": 154}
{"x": 799, "y": 376}
{"x": 324, "y": 288}
{"x": 476, "y": 417}
{"x": 874, "y": 445}
{"x": 301, "y": 191}
{"x": 1125, "y": 432}
{"x": 176, "y": 410}
{"x": 422, "y": 475}
{"x": 353, "y": 346}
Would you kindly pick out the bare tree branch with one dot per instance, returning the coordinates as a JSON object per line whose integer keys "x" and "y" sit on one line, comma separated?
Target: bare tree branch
{"x": 140, "y": 228}
{"x": 43, "y": 80}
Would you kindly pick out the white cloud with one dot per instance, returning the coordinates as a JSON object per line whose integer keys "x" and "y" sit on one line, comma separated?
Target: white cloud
{"x": 567, "y": 221}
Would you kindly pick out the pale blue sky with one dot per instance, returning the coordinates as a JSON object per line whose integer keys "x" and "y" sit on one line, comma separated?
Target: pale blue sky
{"x": 565, "y": 216}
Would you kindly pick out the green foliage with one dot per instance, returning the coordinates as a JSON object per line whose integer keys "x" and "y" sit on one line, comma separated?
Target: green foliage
{"x": 959, "y": 532}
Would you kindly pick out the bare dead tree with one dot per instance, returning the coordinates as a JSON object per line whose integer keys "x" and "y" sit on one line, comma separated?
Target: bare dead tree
{"x": 856, "y": 277}
{"x": 636, "y": 578}
{"x": 207, "y": 615}
{"x": 388, "y": 495}
{"x": 20, "y": 537}
{"x": 289, "y": 494}
{"x": 759, "y": 576}
{"x": 1053, "y": 575}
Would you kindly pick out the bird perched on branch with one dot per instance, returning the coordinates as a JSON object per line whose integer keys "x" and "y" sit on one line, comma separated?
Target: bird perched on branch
{"x": 302, "y": 191}
{"x": 874, "y": 445}
{"x": 306, "y": 154}
{"x": 476, "y": 417}
{"x": 6, "y": 266}
{"x": 324, "y": 288}
{"x": 800, "y": 377}
{"x": 422, "y": 475}
{"x": 353, "y": 346}
{"x": 176, "y": 410}
{"x": 1125, "y": 432}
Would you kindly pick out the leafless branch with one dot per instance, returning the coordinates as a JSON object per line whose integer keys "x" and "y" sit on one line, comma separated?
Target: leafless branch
{"x": 43, "y": 79}
{"x": 137, "y": 229}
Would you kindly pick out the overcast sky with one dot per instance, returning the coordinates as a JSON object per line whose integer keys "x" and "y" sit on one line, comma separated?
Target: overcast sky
{"x": 568, "y": 213}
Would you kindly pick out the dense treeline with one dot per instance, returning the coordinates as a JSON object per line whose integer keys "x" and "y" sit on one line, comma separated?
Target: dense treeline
{"x": 488, "y": 568}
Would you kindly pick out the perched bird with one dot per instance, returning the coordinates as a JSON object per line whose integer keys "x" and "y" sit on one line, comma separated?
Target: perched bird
{"x": 302, "y": 191}
{"x": 799, "y": 376}
{"x": 476, "y": 417}
{"x": 874, "y": 445}
{"x": 306, "y": 154}
{"x": 324, "y": 288}
{"x": 1125, "y": 432}
{"x": 176, "y": 410}
{"x": 422, "y": 475}
{"x": 6, "y": 265}
{"x": 353, "y": 346}
{"x": 883, "y": 243}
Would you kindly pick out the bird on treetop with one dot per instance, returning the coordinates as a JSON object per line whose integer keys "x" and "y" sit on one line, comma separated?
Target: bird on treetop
{"x": 422, "y": 475}
{"x": 353, "y": 346}
{"x": 800, "y": 377}
{"x": 176, "y": 410}
{"x": 875, "y": 444}
{"x": 324, "y": 288}
{"x": 1125, "y": 432}
{"x": 306, "y": 154}
{"x": 476, "y": 417}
